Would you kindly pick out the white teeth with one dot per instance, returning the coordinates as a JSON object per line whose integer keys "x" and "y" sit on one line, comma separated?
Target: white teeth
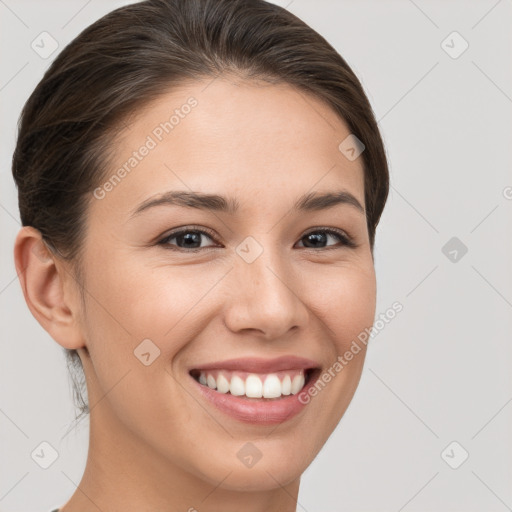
{"x": 297, "y": 383}
{"x": 286, "y": 386}
{"x": 222, "y": 384}
{"x": 272, "y": 387}
{"x": 210, "y": 380}
{"x": 237, "y": 386}
{"x": 253, "y": 387}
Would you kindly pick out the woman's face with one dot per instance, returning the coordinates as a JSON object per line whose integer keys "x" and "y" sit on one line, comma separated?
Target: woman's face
{"x": 250, "y": 296}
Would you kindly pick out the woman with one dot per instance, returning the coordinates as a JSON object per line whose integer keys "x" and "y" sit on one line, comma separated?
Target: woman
{"x": 200, "y": 183}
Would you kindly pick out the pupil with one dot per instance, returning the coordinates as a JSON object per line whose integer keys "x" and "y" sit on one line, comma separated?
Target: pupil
{"x": 191, "y": 238}
{"x": 316, "y": 238}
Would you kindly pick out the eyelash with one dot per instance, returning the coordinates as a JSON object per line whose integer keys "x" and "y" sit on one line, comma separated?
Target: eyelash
{"x": 346, "y": 240}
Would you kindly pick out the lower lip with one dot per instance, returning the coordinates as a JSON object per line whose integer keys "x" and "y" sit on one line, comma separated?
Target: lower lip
{"x": 257, "y": 410}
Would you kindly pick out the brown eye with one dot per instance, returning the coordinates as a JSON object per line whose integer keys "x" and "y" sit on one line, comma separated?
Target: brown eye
{"x": 319, "y": 239}
{"x": 186, "y": 239}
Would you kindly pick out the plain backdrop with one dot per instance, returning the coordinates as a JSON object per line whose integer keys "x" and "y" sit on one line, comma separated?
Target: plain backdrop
{"x": 430, "y": 425}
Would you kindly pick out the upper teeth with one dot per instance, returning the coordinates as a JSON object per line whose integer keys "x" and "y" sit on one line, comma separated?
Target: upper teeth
{"x": 253, "y": 385}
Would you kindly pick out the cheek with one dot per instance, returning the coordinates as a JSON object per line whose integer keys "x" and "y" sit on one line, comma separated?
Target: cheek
{"x": 133, "y": 301}
{"x": 131, "y": 311}
{"x": 344, "y": 299}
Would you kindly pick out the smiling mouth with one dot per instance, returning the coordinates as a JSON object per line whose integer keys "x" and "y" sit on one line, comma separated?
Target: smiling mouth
{"x": 250, "y": 385}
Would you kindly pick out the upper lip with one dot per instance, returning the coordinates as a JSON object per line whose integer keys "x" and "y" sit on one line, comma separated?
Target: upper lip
{"x": 261, "y": 365}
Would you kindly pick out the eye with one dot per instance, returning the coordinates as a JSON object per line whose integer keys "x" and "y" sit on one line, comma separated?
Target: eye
{"x": 319, "y": 238}
{"x": 186, "y": 239}
{"x": 191, "y": 239}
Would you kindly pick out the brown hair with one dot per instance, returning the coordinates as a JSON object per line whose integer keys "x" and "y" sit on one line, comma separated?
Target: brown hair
{"x": 140, "y": 51}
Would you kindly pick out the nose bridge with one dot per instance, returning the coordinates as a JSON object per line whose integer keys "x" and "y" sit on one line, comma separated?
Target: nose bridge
{"x": 264, "y": 297}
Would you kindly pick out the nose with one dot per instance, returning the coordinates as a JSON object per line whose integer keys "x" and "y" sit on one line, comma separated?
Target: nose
{"x": 265, "y": 297}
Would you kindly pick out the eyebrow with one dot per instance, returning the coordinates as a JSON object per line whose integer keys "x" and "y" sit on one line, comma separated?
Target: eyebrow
{"x": 312, "y": 201}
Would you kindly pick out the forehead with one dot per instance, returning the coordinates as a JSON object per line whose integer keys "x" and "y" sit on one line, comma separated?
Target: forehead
{"x": 261, "y": 142}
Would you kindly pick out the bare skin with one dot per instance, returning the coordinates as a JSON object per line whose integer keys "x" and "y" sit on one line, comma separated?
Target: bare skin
{"x": 155, "y": 443}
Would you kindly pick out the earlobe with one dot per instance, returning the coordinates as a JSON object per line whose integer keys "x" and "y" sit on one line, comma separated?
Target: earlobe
{"x": 43, "y": 281}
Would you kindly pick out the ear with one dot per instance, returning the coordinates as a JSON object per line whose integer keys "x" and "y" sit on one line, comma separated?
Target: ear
{"x": 49, "y": 288}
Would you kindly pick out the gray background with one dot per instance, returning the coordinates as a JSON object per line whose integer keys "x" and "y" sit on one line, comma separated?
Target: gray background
{"x": 440, "y": 371}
